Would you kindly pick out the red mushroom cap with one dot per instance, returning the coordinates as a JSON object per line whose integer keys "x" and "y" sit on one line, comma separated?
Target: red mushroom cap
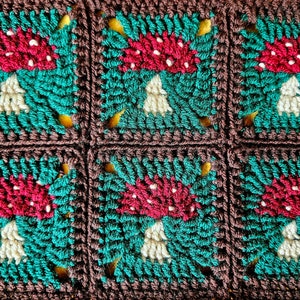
{"x": 282, "y": 197}
{"x": 25, "y": 50}
{"x": 25, "y": 197}
{"x": 281, "y": 56}
{"x": 159, "y": 197}
{"x": 158, "y": 53}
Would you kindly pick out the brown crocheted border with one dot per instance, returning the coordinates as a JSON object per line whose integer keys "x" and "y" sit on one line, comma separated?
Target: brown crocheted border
{"x": 77, "y": 272}
{"x": 217, "y": 279}
{"x": 253, "y": 288}
{"x": 78, "y": 12}
{"x": 280, "y": 9}
{"x": 155, "y": 8}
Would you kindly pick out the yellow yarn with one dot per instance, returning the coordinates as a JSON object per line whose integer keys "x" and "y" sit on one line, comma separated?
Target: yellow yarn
{"x": 204, "y": 27}
{"x": 65, "y": 120}
{"x": 114, "y": 121}
{"x": 109, "y": 167}
{"x": 65, "y": 20}
{"x": 116, "y": 25}
{"x": 248, "y": 120}
{"x": 205, "y": 168}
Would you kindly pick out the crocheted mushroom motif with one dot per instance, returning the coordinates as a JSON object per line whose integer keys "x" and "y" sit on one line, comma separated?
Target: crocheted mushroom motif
{"x": 282, "y": 197}
{"x": 158, "y": 53}
{"x": 21, "y": 197}
{"x": 22, "y": 50}
{"x": 284, "y": 56}
{"x": 157, "y": 198}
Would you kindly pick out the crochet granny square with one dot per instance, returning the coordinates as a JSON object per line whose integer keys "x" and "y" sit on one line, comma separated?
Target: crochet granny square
{"x": 39, "y": 209}
{"x": 159, "y": 218}
{"x": 158, "y": 77}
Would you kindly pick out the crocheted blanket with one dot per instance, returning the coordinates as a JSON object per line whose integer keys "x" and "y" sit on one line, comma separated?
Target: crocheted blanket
{"x": 149, "y": 149}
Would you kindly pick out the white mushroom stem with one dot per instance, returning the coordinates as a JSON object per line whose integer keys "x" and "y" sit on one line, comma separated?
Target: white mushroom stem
{"x": 155, "y": 244}
{"x": 289, "y": 101}
{"x": 156, "y": 101}
{"x": 12, "y": 96}
{"x": 290, "y": 248}
{"x": 11, "y": 244}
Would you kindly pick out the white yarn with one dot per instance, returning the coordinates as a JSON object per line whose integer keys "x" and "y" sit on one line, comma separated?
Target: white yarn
{"x": 289, "y": 101}
{"x": 155, "y": 244}
{"x": 12, "y": 244}
{"x": 156, "y": 101}
{"x": 290, "y": 248}
{"x": 12, "y": 96}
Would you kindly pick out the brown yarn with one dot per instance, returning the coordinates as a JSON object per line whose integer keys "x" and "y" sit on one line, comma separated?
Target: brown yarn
{"x": 229, "y": 145}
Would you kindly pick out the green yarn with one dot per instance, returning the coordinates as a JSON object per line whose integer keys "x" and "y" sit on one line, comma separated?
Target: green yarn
{"x": 263, "y": 233}
{"x": 190, "y": 243}
{"x": 191, "y": 96}
{"x": 48, "y": 93}
{"x": 261, "y": 90}
{"x": 47, "y": 242}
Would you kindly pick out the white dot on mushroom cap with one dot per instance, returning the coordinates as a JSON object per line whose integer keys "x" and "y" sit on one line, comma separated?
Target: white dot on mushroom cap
{"x": 153, "y": 186}
{"x": 16, "y": 188}
{"x": 192, "y": 208}
{"x": 149, "y": 201}
{"x": 288, "y": 208}
{"x": 156, "y": 52}
{"x": 48, "y": 208}
{"x": 291, "y": 62}
{"x": 39, "y": 183}
{"x": 262, "y": 65}
{"x": 9, "y": 33}
{"x": 159, "y": 40}
{"x": 174, "y": 190}
{"x": 9, "y": 205}
{"x": 288, "y": 44}
{"x": 273, "y": 53}
{"x": 137, "y": 51}
{"x": 171, "y": 208}
{"x": 33, "y": 43}
{"x": 295, "y": 188}
{"x": 132, "y": 65}
{"x": 180, "y": 44}
{"x": 298, "y": 56}
{"x": 169, "y": 62}
{"x": 132, "y": 208}
{"x": 30, "y": 63}
{"x": 9, "y": 53}
{"x": 186, "y": 64}
{"x": 31, "y": 203}
{"x": 48, "y": 57}
{"x": 134, "y": 196}
{"x": 263, "y": 203}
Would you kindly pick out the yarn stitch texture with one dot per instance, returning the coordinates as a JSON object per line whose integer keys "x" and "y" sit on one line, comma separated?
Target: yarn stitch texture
{"x": 149, "y": 149}
{"x": 40, "y": 219}
{"x": 41, "y": 60}
{"x": 134, "y": 202}
{"x": 167, "y": 48}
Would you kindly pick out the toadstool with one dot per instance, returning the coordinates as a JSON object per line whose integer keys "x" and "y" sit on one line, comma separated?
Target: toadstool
{"x": 22, "y": 50}
{"x": 282, "y": 197}
{"x": 158, "y": 53}
{"x": 158, "y": 198}
{"x": 284, "y": 56}
{"x": 23, "y": 197}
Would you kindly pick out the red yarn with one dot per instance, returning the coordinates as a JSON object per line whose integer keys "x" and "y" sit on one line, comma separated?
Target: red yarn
{"x": 25, "y": 50}
{"x": 282, "y": 197}
{"x": 159, "y": 197}
{"x": 25, "y": 197}
{"x": 159, "y": 53}
{"x": 281, "y": 56}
